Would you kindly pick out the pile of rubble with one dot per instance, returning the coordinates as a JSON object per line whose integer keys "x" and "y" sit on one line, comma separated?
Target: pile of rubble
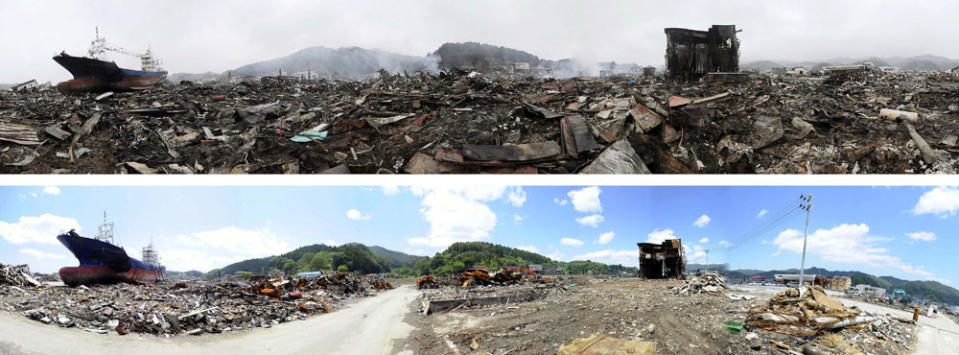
{"x": 188, "y": 307}
{"x": 815, "y": 314}
{"x": 465, "y": 122}
{"x": 708, "y": 283}
{"x": 804, "y": 315}
{"x": 17, "y": 275}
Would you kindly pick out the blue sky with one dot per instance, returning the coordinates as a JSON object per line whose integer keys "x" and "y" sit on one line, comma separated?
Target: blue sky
{"x": 907, "y": 232}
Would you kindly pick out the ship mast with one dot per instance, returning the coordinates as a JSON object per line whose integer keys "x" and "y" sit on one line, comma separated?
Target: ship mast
{"x": 99, "y": 45}
{"x": 105, "y": 231}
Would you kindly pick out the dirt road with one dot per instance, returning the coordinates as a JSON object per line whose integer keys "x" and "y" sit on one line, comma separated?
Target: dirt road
{"x": 368, "y": 326}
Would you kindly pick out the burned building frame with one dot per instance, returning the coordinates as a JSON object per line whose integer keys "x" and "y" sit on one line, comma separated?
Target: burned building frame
{"x": 660, "y": 261}
{"x": 690, "y": 54}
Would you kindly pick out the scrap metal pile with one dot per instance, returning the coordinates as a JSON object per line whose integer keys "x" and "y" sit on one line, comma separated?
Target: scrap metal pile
{"x": 189, "y": 307}
{"x": 708, "y": 283}
{"x": 464, "y": 122}
{"x": 482, "y": 277}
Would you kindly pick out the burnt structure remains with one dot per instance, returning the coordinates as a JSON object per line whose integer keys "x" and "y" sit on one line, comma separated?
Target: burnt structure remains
{"x": 660, "y": 261}
{"x": 691, "y": 54}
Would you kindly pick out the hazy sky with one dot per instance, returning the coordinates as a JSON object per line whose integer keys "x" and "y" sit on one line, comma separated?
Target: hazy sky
{"x": 198, "y": 36}
{"x": 907, "y": 232}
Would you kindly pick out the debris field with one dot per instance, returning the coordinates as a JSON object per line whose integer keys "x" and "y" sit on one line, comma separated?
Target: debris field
{"x": 591, "y": 314}
{"x": 184, "y": 307}
{"x": 466, "y": 122}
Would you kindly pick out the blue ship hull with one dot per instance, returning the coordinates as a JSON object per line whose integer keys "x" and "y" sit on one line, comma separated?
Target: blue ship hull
{"x": 102, "y": 262}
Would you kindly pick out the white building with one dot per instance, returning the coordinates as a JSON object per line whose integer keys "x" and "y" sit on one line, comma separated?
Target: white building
{"x": 797, "y": 71}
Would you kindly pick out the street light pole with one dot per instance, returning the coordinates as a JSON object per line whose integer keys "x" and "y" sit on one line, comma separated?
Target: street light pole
{"x": 802, "y": 267}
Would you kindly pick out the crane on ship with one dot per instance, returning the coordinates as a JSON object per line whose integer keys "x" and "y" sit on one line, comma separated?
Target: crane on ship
{"x": 99, "y": 46}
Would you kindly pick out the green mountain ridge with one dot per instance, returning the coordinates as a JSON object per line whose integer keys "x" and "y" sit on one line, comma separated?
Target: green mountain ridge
{"x": 320, "y": 257}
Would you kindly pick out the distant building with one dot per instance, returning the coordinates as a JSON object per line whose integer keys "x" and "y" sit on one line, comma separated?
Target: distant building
{"x": 520, "y": 68}
{"x": 649, "y": 71}
{"x": 870, "y": 291}
{"x": 660, "y": 261}
{"x": 27, "y": 85}
{"x": 954, "y": 71}
{"x": 535, "y": 267}
{"x": 797, "y": 71}
{"x": 690, "y": 54}
{"x": 841, "y": 283}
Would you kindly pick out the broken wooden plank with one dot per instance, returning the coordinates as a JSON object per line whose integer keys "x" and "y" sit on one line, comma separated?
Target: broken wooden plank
{"x": 512, "y": 153}
{"x": 582, "y": 138}
{"x": 645, "y": 118}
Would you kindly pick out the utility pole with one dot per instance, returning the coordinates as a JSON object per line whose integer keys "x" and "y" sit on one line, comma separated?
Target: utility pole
{"x": 806, "y": 205}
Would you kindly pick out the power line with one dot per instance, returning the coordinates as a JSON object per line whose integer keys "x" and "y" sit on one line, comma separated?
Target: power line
{"x": 779, "y": 218}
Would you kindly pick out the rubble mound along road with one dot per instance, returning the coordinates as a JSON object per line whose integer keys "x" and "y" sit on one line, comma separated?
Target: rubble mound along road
{"x": 368, "y": 326}
{"x": 936, "y": 335}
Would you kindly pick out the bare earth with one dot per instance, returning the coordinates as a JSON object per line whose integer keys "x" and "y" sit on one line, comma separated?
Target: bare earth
{"x": 369, "y": 326}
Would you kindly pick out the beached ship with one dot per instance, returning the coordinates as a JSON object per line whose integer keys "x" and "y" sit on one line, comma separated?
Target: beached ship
{"x": 102, "y": 261}
{"x": 94, "y": 74}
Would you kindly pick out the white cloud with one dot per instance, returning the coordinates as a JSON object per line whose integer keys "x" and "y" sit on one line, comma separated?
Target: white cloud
{"x": 586, "y": 199}
{"x": 592, "y": 220}
{"x": 41, "y": 229}
{"x": 924, "y": 236}
{"x": 456, "y": 214}
{"x": 391, "y": 190}
{"x": 215, "y": 248}
{"x": 704, "y": 241}
{"x": 562, "y": 202}
{"x": 473, "y": 192}
{"x": 725, "y": 243}
{"x": 355, "y": 215}
{"x": 941, "y": 201}
{"x": 761, "y": 213}
{"x": 847, "y": 244}
{"x": 528, "y": 248}
{"x": 605, "y": 238}
{"x": 555, "y": 255}
{"x": 575, "y": 243}
{"x": 41, "y": 255}
{"x": 702, "y": 221}
{"x": 51, "y": 190}
{"x": 658, "y": 236}
{"x": 695, "y": 254}
{"x": 611, "y": 257}
{"x": 517, "y": 196}
{"x": 517, "y": 218}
